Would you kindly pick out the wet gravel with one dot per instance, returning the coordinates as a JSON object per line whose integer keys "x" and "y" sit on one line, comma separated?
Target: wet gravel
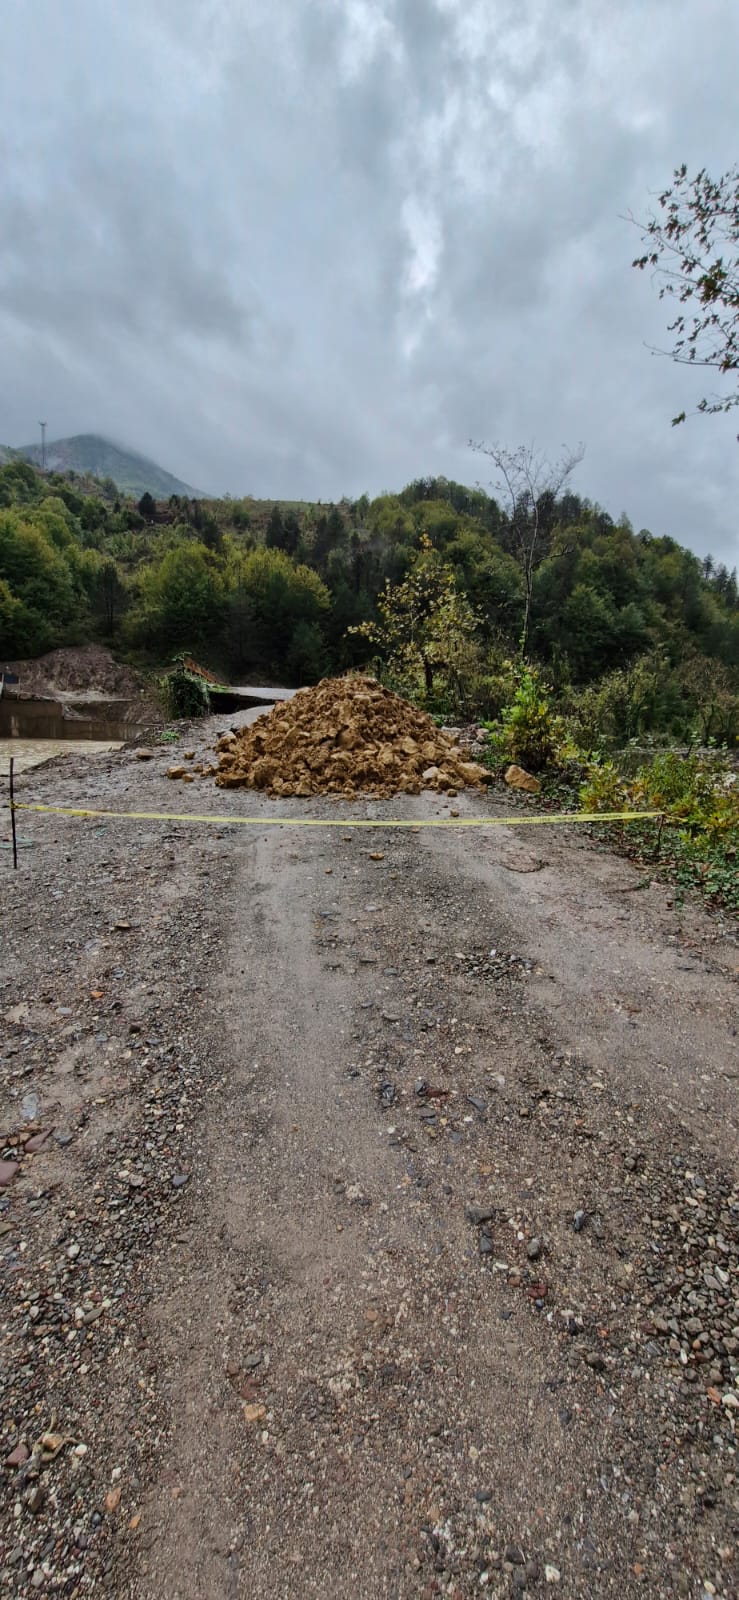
{"x": 334, "y": 1262}
{"x": 103, "y": 1080}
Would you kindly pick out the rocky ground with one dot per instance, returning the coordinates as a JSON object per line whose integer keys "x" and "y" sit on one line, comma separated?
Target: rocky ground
{"x": 369, "y": 1222}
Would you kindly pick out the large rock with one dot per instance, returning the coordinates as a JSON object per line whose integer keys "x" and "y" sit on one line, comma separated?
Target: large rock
{"x": 516, "y": 778}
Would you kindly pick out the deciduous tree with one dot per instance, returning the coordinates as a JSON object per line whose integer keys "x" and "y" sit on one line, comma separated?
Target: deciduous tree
{"x": 529, "y": 484}
{"x": 424, "y": 621}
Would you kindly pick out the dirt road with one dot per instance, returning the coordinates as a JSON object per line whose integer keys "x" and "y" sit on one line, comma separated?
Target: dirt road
{"x": 386, "y": 1243}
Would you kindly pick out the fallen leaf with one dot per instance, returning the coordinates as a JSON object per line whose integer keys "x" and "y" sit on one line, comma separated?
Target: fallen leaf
{"x": 133, "y": 1524}
{"x": 377, "y": 855}
{"x": 96, "y": 994}
{"x": 255, "y": 1413}
{"x": 112, "y": 1499}
{"x": 714, "y": 1395}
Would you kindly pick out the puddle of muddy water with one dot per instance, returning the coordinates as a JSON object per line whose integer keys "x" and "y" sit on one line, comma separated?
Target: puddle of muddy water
{"x": 33, "y": 752}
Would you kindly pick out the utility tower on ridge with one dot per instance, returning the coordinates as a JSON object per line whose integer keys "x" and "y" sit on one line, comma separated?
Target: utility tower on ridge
{"x": 42, "y": 426}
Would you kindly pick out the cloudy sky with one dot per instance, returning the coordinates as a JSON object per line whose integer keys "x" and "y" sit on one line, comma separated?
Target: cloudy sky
{"x": 310, "y": 247}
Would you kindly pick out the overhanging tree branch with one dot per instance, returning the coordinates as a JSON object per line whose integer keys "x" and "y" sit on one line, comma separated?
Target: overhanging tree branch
{"x": 692, "y": 249}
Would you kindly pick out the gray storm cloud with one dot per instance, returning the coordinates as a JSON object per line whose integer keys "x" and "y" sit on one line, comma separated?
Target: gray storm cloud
{"x": 308, "y": 250}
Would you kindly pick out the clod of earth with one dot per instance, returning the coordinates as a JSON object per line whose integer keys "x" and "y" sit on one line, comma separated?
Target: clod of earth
{"x": 516, "y": 778}
{"x": 346, "y": 736}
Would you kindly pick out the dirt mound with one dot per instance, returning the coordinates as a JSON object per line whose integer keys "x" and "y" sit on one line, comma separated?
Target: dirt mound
{"x": 346, "y": 736}
{"x": 88, "y": 669}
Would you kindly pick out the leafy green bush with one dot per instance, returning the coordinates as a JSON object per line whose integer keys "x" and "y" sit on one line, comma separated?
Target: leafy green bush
{"x": 696, "y": 842}
{"x": 604, "y": 788}
{"x": 528, "y": 732}
{"x": 624, "y": 705}
{"x": 698, "y": 793}
{"x": 184, "y": 694}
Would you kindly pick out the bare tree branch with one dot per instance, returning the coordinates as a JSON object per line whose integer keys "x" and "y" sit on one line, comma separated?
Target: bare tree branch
{"x": 524, "y": 477}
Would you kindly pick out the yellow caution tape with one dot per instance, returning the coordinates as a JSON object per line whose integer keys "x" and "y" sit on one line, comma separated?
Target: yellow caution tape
{"x": 567, "y": 817}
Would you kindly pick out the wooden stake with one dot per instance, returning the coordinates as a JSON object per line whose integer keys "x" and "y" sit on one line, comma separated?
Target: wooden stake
{"x": 658, "y": 843}
{"x": 12, "y": 816}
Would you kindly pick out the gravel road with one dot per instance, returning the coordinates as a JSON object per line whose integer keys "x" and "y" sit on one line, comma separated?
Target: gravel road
{"x": 369, "y": 1221}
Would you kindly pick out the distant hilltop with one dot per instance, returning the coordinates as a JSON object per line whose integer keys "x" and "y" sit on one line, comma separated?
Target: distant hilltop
{"x": 87, "y": 453}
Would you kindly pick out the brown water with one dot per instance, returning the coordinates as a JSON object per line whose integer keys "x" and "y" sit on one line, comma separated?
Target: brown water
{"x": 101, "y": 721}
{"x": 27, "y": 753}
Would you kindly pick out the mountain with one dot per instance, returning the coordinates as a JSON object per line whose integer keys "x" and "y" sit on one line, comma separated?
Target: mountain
{"x": 88, "y": 453}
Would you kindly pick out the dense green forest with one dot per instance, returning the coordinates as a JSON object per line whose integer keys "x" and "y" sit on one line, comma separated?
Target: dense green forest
{"x": 624, "y": 625}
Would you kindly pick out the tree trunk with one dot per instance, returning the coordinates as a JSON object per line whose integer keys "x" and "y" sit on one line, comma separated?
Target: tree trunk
{"x": 526, "y": 615}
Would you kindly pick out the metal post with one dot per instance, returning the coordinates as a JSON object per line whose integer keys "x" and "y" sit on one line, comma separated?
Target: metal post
{"x": 12, "y": 815}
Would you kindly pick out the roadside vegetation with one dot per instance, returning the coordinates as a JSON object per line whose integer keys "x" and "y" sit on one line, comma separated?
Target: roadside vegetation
{"x": 694, "y": 837}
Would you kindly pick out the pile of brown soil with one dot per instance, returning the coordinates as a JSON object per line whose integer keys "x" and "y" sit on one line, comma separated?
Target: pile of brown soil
{"x": 88, "y": 670}
{"x": 345, "y": 736}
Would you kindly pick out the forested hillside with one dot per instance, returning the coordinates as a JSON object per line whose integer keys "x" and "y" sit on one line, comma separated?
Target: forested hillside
{"x": 274, "y": 590}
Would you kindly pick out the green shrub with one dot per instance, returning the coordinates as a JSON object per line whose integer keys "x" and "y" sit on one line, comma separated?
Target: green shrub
{"x": 528, "y": 731}
{"x": 622, "y": 706}
{"x": 698, "y": 793}
{"x": 184, "y": 694}
{"x": 695, "y": 842}
{"x": 604, "y": 788}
